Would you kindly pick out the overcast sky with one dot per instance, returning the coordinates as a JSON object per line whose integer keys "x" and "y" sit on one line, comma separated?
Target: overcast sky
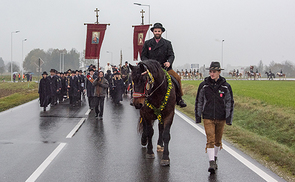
{"x": 252, "y": 30}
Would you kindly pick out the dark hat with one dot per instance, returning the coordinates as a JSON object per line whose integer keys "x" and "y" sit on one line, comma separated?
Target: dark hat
{"x": 90, "y": 69}
{"x": 117, "y": 73}
{"x": 93, "y": 66}
{"x": 44, "y": 73}
{"x": 215, "y": 66}
{"x": 126, "y": 61}
{"x": 158, "y": 25}
{"x": 80, "y": 71}
{"x": 52, "y": 70}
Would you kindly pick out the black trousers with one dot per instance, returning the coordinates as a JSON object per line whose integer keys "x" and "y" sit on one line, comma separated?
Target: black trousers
{"x": 99, "y": 104}
{"x": 90, "y": 102}
{"x": 73, "y": 100}
{"x": 53, "y": 99}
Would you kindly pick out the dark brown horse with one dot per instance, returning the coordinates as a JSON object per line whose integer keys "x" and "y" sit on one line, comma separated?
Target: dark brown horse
{"x": 154, "y": 95}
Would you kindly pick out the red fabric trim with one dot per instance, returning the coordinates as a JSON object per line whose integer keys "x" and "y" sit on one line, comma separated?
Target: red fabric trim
{"x": 138, "y": 43}
{"x": 92, "y": 48}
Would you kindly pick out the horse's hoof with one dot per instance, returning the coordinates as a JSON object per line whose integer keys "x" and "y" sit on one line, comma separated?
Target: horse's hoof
{"x": 150, "y": 156}
{"x": 165, "y": 163}
{"x": 160, "y": 148}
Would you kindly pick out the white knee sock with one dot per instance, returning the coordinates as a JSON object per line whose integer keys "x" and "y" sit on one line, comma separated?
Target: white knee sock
{"x": 216, "y": 149}
{"x": 210, "y": 152}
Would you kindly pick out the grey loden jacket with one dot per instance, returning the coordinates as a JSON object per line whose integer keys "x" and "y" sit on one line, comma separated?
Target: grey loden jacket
{"x": 102, "y": 84}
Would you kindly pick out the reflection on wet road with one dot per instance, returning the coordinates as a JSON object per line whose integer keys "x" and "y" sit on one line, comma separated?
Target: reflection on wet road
{"x": 104, "y": 150}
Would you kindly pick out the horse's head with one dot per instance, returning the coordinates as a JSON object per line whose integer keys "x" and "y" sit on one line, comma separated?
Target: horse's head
{"x": 143, "y": 81}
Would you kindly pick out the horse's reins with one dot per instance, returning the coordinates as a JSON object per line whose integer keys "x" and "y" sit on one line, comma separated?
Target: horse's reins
{"x": 144, "y": 94}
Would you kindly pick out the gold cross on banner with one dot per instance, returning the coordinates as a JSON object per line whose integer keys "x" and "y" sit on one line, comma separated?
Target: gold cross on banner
{"x": 96, "y": 10}
{"x": 142, "y": 17}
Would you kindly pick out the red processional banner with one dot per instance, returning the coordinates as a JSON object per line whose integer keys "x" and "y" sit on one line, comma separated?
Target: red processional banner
{"x": 138, "y": 39}
{"x": 95, "y": 35}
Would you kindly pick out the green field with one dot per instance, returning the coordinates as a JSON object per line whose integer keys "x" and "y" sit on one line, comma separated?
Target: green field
{"x": 263, "y": 123}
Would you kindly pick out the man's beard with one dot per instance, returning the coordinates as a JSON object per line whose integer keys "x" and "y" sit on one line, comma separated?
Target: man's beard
{"x": 157, "y": 36}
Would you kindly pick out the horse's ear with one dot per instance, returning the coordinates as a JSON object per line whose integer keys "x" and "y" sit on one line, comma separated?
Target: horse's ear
{"x": 142, "y": 68}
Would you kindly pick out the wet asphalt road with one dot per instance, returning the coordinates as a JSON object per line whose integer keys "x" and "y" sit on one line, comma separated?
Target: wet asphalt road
{"x": 108, "y": 149}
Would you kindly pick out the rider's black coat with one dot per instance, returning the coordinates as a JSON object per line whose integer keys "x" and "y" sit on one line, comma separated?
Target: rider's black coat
{"x": 161, "y": 51}
{"x": 214, "y": 100}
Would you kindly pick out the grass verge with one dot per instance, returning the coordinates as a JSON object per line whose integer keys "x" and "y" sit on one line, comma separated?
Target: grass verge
{"x": 262, "y": 127}
{"x": 14, "y": 94}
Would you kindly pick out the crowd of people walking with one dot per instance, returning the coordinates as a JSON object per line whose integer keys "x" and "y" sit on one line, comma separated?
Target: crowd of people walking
{"x": 74, "y": 84}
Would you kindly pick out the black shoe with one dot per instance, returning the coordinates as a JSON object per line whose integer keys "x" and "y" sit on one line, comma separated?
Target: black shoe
{"x": 44, "y": 109}
{"x": 181, "y": 103}
{"x": 96, "y": 115}
{"x": 212, "y": 167}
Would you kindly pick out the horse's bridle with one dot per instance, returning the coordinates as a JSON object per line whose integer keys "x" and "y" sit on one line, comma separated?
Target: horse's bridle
{"x": 149, "y": 84}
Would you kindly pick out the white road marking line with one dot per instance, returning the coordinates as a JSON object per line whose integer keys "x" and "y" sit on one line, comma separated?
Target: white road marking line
{"x": 247, "y": 163}
{"x": 88, "y": 111}
{"x": 46, "y": 163}
{"x": 72, "y": 133}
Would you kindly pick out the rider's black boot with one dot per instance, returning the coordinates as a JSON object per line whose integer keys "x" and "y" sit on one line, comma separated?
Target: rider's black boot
{"x": 180, "y": 101}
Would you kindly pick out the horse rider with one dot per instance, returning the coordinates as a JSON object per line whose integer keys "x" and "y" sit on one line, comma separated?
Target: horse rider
{"x": 269, "y": 71}
{"x": 215, "y": 104}
{"x": 281, "y": 72}
{"x": 251, "y": 70}
{"x": 238, "y": 72}
{"x": 160, "y": 49}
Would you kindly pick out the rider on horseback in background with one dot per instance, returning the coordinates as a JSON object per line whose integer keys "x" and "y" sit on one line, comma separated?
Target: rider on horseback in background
{"x": 281, "y": 72}
{"x": 251, "y": 70}
{"x": 160, "y": 49}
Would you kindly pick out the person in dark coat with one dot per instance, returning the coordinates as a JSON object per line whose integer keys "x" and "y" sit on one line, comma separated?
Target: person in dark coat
{"x": 90, "y": 88}
{"x": 44, "y": 91}
{"x": 79, "y": 78}
{"x": 160, "y": 49}
{"x": 215, "y": 103}
{"x": 63, "y": 86}
{"x": 53, "y": 87}
{"x": 101, "y": 84}
{"x": 108, "y": 76}
{"x": 118, "y": 88}
{"x": 82, "y": 82}
{"x": 74, "y": 89}
{"x": 59, "y": 85}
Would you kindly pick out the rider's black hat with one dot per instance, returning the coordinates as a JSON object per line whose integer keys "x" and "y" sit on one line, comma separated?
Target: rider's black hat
{"x": 44, "y": 73}
{"x": 158, "y": 25}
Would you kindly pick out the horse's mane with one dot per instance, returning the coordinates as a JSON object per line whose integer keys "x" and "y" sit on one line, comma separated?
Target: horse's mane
{"x": 153, "y": 66}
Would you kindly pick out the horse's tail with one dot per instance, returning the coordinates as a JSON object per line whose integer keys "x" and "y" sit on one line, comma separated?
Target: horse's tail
{"x": 140, "y": 125}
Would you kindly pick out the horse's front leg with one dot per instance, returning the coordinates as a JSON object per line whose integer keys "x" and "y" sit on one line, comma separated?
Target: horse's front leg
{"x": 150, "y": 132}
{"x": 160, "y": 146}
{"x": 166, "y": 138}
